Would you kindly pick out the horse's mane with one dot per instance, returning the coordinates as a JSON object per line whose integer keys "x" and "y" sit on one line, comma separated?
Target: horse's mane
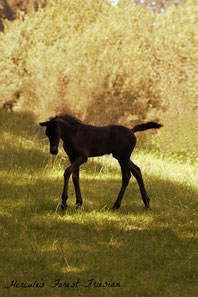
{"x": 72, "y": 120}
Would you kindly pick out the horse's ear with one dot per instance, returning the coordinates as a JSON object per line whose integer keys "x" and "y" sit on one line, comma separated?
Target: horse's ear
{"x": 59, "y": 121}
{"x": 43, "y": 124}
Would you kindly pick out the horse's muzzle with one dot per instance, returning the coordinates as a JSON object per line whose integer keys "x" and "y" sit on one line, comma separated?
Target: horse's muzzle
{"x": 54, "y": 152}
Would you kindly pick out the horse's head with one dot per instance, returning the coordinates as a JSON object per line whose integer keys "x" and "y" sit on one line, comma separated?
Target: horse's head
{"x": 53, "y": 132}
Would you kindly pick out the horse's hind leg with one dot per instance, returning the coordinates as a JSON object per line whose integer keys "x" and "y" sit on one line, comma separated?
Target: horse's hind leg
{"x": 137, "y": 174}
{"x": 75, "y": 178}
{"x": 125, "y": 180}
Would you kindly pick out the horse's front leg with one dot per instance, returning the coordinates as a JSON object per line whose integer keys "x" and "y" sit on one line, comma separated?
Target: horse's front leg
{"x": 75, "y": 178}
{"x": 72, "y": 168}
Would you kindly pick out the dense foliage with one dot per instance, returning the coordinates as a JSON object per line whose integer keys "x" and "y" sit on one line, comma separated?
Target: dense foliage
{"x": 104, "y": 63}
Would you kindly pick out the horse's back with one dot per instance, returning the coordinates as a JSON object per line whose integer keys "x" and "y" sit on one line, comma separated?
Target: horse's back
{"x": 101, "y": 140}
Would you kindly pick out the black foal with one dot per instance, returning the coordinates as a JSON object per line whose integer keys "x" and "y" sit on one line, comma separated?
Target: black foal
{"x": 81, "y": 141}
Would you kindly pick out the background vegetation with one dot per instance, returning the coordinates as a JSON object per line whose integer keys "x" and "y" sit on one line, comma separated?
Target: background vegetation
{"x": 104, "y": 63}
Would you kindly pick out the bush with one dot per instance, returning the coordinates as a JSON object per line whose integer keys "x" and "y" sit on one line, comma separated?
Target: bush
{"x": 104, "y": 63}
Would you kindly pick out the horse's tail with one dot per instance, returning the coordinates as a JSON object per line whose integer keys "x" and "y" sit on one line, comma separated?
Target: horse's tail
{"x": 146, "y": 126}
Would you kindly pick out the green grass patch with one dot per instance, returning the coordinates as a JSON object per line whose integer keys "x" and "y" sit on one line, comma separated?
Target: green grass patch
{"x": 149, "y": 253}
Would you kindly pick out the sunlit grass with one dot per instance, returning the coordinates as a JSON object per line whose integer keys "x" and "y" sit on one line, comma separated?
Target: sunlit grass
{"x": 131, "y": 246}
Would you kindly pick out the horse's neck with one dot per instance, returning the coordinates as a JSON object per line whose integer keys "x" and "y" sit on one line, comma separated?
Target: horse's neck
{"x": 68, "y": 131}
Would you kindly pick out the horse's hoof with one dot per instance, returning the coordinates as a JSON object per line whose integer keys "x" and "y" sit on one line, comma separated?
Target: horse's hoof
{"x": 63, "y": 206}
{"x": 115, "y": 207}
{"x": 78, "y": 205}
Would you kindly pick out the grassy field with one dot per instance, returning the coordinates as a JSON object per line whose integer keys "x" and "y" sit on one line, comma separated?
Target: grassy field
{"x": 138, "y": 253}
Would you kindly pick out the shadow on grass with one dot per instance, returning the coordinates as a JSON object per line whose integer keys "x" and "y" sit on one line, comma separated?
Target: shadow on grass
{"x": 124, "y": 246}
{"x": 23, "y": 160}
{"x": 113, "y": 248}
{"x": 130, "y": 246}
{"x": 19, "y": 123}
